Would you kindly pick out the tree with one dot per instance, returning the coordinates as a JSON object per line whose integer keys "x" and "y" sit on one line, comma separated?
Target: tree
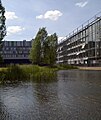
{"x": 53, "y": 54}
{"x": 36, "y": 53}
{"x": 50, "y": 47}
{"x": 43, "y": 51}
{"x": 2, "y": 25}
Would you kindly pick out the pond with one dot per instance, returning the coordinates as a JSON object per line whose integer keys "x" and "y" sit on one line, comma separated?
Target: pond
{"x": 74, "y": 95}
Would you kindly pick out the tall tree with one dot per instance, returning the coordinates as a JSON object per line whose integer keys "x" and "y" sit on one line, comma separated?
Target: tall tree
{"x": 53, "y": 48}
{"x": 43, "y": 51}
{"x": 50, "y": 47}
{"x": 2, "y": 25}
{"x": 36, "y": 53}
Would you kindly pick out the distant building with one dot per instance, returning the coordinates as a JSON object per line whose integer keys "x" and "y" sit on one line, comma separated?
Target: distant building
{"x": 16, "y": 51}
{"x": 83, "y": 45}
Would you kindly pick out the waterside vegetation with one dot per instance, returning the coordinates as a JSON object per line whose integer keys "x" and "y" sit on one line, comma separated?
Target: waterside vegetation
{"x": 30, "y": 72}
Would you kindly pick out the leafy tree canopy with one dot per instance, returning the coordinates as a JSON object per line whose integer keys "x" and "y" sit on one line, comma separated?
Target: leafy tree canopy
{"x": 2, "y": 25}
{"x": 2, "y": 22}
{"x": 44, "y": 47}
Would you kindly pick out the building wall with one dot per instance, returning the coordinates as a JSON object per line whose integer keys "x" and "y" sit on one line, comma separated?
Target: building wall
{"x": 82, "y": 46}
{"x": 16, "y": 51}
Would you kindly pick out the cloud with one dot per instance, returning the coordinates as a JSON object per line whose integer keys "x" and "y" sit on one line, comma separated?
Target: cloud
{"x": 39, "y": 17}
{"x": 81, "y": 4}
{"x": 14, "y": 29}
{"x": 10, "y": 15}
{"x": 52, "y": 15}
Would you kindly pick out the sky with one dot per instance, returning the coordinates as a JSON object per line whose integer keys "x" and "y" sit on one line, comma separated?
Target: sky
{"x": 25, "y": 17}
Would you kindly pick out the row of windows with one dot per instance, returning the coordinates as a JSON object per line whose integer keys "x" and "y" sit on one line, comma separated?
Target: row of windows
{"x": 15, "y": 56}
{"x": 17, "y": 43}
{"x": 85, "y": 43}
{"x": 15, "y": 52}
{"x": 16, "y": 48}
{"x": 89, "y": 53}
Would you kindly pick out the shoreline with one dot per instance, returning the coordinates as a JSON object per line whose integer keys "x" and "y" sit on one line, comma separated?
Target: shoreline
{"x": 90, "y": 68}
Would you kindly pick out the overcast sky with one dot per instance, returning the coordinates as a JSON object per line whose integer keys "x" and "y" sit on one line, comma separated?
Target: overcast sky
{"x": 25, "y": 17}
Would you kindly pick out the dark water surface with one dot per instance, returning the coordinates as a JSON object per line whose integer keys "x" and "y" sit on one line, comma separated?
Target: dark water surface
{"x": 75, "y": 95}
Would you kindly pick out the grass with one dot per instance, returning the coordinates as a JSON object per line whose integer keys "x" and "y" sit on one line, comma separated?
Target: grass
{"x": 11, "y": 73}
{"x": 3, "y": 68}
{"x": 66, "y": 67}
{"x": 26, "y": 72}
{"x": 37, "y": 73}
{"x": 31, "y": 72}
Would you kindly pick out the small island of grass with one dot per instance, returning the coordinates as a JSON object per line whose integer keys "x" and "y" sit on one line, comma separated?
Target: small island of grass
{"x": 30, "y": 72}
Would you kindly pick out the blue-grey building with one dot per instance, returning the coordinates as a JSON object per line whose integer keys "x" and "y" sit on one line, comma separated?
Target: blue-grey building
{"x": 16, "y": 51}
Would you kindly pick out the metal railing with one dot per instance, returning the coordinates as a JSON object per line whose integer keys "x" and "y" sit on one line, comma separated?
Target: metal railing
{"x": 81, "y": 27}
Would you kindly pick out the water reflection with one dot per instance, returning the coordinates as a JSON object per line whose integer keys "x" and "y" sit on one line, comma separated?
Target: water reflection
{"x": 75, "y": 95}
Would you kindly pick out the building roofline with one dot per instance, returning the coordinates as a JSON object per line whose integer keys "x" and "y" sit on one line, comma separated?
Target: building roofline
{"x": 77, "y": 29}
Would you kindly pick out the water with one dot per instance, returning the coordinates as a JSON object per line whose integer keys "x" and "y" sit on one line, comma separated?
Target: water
{"x": 75, "y": 95}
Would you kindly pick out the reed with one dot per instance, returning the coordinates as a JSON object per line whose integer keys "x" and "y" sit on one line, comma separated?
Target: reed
{"x": 26, "y": 72}
{"x": 31, "y": 72}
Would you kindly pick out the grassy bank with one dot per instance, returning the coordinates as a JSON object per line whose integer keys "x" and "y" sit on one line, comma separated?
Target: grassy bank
{"x": 66, "y": 67}
{"x": 30, "y": 72}
{"x": 26, "y": 72}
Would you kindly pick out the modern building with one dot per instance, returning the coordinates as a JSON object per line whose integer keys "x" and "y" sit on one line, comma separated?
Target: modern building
{"x": 83, "y": 45}
{"x": 16, "y": 51}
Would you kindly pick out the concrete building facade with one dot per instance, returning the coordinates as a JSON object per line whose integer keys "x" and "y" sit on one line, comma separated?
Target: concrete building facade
{"x": 16, "y": 51}
{"x": 80, "y": 47}
{"x": 83, "y": 45}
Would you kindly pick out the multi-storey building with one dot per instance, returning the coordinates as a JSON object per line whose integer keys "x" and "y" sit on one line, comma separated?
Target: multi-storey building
{"x": 16, "y": 51}
{"x": 83, "y": 45}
